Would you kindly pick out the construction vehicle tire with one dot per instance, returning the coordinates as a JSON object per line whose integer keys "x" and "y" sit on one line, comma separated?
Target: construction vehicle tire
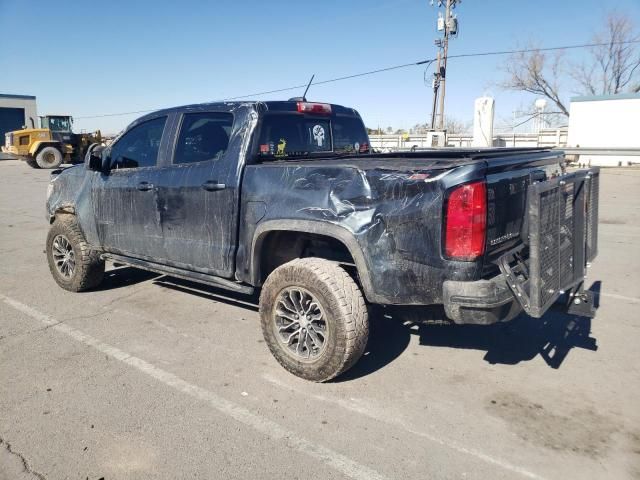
{"x": 49, "y": 157}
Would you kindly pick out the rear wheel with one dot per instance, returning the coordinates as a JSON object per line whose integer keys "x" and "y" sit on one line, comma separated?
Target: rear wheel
{"x": 49, "y": 157}
{"x": 74, "y": 266}
{"x": 314, "y": 318}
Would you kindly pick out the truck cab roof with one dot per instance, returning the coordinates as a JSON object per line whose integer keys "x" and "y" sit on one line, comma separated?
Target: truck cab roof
{"x": 260, "y": 106}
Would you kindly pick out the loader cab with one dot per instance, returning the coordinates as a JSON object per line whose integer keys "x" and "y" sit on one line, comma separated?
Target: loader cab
{"x": 57, "y": 123}
{"x": 60, "y": 127}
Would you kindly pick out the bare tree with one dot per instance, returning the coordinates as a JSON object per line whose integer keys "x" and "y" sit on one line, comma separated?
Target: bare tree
{"x": 615, "y": 66}
{"x": 537, "y": 73}
{"x": 453, "y": 125}
{"x": 610, "y": 68}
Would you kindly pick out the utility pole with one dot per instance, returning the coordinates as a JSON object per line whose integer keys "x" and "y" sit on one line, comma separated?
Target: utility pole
{"x": 448, "y": 25}
{"x": 436, "y": 85}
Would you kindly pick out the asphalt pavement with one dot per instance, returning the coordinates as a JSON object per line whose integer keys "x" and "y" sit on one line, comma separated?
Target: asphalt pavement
{"x": 153, "y": 377}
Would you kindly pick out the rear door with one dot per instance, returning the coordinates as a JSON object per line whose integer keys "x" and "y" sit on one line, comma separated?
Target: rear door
{"x": 198, "y": 194}
{"x": 126, "y": 198}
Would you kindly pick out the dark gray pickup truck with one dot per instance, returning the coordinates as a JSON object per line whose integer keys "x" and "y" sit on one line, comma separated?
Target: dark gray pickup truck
{"x": 287, "y": 197}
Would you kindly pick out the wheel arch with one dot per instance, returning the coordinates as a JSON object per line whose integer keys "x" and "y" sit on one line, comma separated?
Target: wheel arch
{"x": 61, "y": 210}
{"x": 39, "y": 145}
{"x": 309, "y": 227}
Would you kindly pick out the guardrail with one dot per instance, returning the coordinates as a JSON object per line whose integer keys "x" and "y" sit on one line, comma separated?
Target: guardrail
{"x": 624, "y": 152}
{"x": 603, "y": 156}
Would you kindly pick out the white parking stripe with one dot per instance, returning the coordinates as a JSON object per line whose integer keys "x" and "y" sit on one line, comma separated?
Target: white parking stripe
{"x": 384, "y": 418}
{"x": 621, "y": 297}
{"x": 337, "y": 461}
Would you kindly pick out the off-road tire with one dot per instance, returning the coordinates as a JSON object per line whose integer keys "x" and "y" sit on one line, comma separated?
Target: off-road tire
{"x": 49, "y": 157}
{"x": 89, "y": 268}
{"x": 344, "y": 307}
{"x": 32, "y": 162}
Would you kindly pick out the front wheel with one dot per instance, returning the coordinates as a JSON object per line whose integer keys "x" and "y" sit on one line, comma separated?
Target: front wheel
{"x": 74, "y": 266}
{"x": 49, "y": 157}
{"x": 314, "y": 318}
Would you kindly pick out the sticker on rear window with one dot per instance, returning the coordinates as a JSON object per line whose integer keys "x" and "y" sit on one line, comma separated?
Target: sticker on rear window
{"x": 281, "y": 147}
{"x": 318, "y": 135}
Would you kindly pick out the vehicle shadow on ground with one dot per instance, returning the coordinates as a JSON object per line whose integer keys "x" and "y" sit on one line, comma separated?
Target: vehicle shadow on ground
{"x": 250, "y": 302}
{"x": 121, "y": 276}
{"x": 552, "y": 337}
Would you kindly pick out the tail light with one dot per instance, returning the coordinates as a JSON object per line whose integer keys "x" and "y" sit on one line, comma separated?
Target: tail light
{"x": 466, "y": 221}
{"x": 318, "y": 108}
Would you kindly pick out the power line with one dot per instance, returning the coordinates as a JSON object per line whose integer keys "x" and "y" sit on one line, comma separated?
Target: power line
{"x": 117, "y": 114}
{"x": 384, "y": 69}
{"x": 546, "y": 49}
{"x": 347, "y": 77}
{"x": 280, "y": 90}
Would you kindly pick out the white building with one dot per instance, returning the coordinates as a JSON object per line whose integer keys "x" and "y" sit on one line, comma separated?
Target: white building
{"x": 606, "y": 129}
{"x": 17, "y": 111}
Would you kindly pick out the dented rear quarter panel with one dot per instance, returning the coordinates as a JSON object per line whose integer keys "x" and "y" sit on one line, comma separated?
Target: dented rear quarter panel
{"x": 390, "y": 223}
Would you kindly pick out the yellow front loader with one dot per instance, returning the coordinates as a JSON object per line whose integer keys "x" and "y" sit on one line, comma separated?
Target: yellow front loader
{"x": 51, "y": 144}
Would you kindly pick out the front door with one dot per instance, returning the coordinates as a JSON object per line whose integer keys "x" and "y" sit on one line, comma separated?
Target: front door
{"x": 126, "y": 197}
{"x": 199, "y": 195}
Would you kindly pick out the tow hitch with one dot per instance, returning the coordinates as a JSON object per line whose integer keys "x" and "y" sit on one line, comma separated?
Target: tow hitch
{"x": 581, "y": 303}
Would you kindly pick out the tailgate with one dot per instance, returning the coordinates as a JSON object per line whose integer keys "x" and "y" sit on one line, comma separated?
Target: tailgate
{"x": 562, "y": 218}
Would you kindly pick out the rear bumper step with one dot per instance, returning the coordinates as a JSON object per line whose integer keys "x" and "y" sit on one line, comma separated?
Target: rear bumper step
{"x": 482, "y": 302}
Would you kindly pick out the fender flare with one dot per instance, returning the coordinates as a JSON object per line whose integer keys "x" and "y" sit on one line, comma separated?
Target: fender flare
{"x": 36, "y": 146}
{"x": 66, "y": 209}
{"x": 337, "y": 232}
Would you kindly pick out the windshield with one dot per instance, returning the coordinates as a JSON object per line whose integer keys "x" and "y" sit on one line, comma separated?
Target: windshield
{"x": 57, "y": 124}
{"x": 285, "y": 135}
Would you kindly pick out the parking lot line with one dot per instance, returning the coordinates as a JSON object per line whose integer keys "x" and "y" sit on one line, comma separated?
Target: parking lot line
{"x": 337, "y": 461}
{"x": 381, "y": 417}
{"x": 621, "y": 297}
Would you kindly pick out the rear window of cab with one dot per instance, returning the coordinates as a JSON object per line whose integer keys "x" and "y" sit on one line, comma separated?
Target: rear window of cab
{"x": 283, "y": 135}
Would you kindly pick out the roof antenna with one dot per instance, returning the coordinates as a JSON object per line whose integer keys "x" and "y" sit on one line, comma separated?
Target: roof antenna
{"x": 304, "y": 95}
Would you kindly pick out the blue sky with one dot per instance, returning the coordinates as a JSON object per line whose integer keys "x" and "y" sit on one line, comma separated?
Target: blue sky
{"x": 136, "y": 55}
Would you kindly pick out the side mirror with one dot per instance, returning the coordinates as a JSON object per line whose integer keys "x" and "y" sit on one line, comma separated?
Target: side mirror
{"x": 95, "y": 163}
{"x": 93, "y": 159}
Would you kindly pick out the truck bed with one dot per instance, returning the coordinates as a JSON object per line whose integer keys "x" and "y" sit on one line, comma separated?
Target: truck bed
{"x": 392, "y": 205}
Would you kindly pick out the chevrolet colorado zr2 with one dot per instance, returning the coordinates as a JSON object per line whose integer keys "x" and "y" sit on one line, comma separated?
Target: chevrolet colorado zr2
{"x": 286, "y": 197}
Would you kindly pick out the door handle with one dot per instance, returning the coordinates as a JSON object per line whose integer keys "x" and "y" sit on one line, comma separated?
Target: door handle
{"x": 212, "y": 186}
{"x": 145, "y": 186}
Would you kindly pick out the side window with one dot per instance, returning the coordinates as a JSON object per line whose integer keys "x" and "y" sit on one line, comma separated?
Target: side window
{"x": 203, "y": 136}
{"x": 139, "y": 146}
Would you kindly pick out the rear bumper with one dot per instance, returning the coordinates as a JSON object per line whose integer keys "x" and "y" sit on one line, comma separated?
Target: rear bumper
{"x": 481, "y": 302}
